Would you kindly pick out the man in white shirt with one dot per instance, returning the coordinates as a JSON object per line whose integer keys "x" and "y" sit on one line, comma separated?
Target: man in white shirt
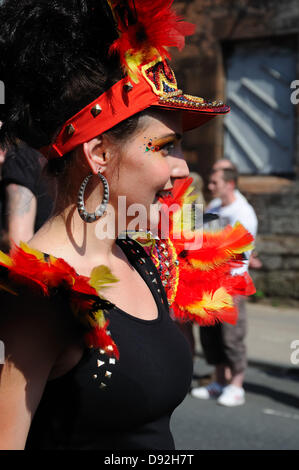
{"x": 223, "y": 344}
{"x": 224, "y": 164}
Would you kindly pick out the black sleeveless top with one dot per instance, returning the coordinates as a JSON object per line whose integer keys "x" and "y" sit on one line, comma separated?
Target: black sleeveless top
{"x": 104, "y": 403}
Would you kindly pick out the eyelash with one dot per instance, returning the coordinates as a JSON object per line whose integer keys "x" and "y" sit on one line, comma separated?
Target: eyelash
{"x": 165, "y": 149}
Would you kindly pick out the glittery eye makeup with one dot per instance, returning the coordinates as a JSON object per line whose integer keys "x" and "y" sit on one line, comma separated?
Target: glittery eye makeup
{"x": 163, "y": 144}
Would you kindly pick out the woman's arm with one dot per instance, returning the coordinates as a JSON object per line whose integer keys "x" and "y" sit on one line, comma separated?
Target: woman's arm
{"x": 33, "y": 339}
{"x": 20, "y": 212}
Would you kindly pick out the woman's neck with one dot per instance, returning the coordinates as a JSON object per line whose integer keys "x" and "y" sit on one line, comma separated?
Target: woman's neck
{"x": 67, "y": 236}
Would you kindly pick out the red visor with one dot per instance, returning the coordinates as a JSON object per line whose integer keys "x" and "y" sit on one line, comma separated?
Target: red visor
{"x": 156, "y": 87}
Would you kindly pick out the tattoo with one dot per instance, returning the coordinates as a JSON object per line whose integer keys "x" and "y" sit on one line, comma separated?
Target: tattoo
{"x": 19, "y": 200}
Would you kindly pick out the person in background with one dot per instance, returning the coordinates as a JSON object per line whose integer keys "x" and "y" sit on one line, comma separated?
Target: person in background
{"x": 224, "y": 345}
{"x": 26, "y": 202}
{"x": 222, "y": 164}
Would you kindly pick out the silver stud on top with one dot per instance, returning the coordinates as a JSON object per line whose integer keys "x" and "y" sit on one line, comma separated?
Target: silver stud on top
{"x": 96, "y": 110}
{"x": 70, "y": 129}
{"x": 128, "y": 86}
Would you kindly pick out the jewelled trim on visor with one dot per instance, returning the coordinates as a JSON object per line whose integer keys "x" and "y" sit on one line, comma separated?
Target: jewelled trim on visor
{"x": 192, "y": 102}
{"x": 163, "y": 82}
{"x": 160, "y": 77}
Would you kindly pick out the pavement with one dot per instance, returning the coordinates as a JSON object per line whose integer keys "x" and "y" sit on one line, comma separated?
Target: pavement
{"x": 269, "y": 419}
{"x": 272, "y": 332}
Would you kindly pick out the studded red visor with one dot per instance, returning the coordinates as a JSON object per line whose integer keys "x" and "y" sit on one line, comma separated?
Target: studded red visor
{"x": 156, "y": 87}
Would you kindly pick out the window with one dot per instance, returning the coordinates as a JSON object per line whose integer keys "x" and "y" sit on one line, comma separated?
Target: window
{"x": 260, "y": 130}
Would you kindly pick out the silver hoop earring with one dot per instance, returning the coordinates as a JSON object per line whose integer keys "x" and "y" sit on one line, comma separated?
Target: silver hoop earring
{"x": 92, "y": 216}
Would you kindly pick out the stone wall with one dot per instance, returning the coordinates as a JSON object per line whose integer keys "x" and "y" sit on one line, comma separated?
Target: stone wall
{"x": 277, "y": 243}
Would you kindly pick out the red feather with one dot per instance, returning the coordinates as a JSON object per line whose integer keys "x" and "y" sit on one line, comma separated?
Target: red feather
{"x": 147, "y": 24}
{"x": 99, "y": 338}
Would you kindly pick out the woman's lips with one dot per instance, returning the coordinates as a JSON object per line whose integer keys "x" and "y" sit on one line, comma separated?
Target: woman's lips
{"x": 160, "y": 195}
{"x": 163, "y": 193}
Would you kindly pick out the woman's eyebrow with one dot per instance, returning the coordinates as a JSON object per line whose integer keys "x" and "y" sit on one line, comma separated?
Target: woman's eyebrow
{"x": 174, "y": 134}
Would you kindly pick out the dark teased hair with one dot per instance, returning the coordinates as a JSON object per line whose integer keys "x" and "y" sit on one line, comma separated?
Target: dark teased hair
{"x": 54, "y": 61}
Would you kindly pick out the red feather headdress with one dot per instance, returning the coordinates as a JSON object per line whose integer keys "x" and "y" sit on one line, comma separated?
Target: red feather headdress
{"x": 146, "y": 29}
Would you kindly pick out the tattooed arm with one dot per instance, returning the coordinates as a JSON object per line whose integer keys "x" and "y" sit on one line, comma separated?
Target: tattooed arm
{"x": 20, "y": 212}
{"x": 2, "y": 155}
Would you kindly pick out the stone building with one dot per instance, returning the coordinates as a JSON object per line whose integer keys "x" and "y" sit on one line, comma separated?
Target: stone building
{"x": 247, "y": 52}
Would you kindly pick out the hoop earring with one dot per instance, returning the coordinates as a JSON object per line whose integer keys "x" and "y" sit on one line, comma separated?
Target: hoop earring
{"x": 90, "y": 217}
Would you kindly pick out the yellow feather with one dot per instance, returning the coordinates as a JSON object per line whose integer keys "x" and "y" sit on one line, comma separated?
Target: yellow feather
{"x": 242, "y": 249}
{"x": 220, "y": 299}
{"x": 5, "y": 259}
{"x": 143, "y": 238}
{"x": 100, "y": 318}
{"x": 133, "y": 62}
{"x": 206, "y": 265}
{"x": 134, "y": 59}
{"x": 100, "y": 276}
{"x": 38, "y": 254}
{"x": 183, "y": 220}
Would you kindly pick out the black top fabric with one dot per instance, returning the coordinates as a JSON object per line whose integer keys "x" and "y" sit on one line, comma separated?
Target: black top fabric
{"x": 23, "y": 166}
{"x": 105, "y": 404}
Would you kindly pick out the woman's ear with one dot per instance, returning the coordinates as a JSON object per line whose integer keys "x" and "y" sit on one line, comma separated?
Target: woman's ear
{"x": 96, "y": 154}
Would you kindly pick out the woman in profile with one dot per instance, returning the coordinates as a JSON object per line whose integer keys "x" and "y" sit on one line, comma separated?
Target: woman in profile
{"x": 94, "y": 360}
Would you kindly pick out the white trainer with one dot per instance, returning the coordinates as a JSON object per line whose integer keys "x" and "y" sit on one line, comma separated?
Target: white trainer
{"x": 232, "y": 396}
{"x": 213, "y": 390}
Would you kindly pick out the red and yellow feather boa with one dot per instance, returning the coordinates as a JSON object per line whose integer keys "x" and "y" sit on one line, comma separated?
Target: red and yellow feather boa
{"x": 27, "y": 267}
{"x": 199, "y": 281}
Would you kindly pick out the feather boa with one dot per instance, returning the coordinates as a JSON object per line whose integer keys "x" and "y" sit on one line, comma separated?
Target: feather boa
{"x": 198, "y": 279}
{"x": 29, "y": 268}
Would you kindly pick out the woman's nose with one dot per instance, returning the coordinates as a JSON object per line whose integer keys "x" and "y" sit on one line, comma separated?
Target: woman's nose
{"x": 179, "y": 168}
